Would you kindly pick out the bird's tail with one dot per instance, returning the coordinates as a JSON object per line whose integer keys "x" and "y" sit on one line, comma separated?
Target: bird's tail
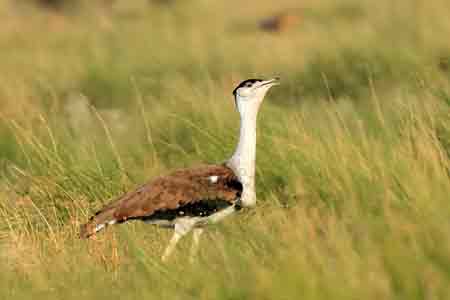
{"x": 99, "y": 221}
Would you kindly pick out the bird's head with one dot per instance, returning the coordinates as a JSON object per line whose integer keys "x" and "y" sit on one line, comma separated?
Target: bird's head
{"x": 250, "y": 93}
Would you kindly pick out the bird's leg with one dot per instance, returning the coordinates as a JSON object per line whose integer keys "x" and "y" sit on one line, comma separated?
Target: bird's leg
{"x": 182, "y": 227}
{"x": 175, "y": 238}
{"x": 195, "y": 241}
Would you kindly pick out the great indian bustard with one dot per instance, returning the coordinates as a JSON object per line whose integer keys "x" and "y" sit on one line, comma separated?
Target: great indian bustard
{"x": 189, "y": 199}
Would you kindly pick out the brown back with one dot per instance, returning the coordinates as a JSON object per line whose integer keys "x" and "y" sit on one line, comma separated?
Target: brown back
{"x": 182, "y": 187}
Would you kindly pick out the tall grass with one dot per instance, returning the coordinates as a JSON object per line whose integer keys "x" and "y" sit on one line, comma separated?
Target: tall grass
{"x": 353, "y": 149}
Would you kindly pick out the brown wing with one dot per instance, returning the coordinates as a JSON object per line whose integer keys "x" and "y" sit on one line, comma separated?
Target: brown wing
{"x": 167, "y": 193}
{"x": 178, "y": 189}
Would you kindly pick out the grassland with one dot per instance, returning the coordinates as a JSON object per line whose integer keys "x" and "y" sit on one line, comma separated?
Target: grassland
{"x": 353, "y": 148}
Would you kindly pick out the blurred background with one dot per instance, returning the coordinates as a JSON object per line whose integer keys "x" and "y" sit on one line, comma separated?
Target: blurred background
{"x": 97, "y": 97}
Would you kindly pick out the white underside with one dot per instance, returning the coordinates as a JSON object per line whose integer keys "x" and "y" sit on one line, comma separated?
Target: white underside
{"x": 184, "y": 225}
{"x": 101, "y": 226}
{"x": 197, "y": 221}
{"x": 194, "y": 221}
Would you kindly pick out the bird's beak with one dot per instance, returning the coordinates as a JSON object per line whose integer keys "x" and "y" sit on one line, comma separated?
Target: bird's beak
{"x": 270, "y": 82}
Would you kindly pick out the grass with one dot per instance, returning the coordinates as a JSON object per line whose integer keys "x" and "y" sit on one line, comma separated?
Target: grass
{"x": 353, "y": 148}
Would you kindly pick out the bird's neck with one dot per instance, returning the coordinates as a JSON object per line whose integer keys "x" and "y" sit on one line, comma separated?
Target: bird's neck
{"x": 243, "y": 160}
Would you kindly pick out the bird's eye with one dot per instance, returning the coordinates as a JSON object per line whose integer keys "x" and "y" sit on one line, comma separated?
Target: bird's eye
{"x": 248, "y": 84}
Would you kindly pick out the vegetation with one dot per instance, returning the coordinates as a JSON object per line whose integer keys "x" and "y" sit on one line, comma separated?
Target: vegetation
{"x": 353, "y": 148}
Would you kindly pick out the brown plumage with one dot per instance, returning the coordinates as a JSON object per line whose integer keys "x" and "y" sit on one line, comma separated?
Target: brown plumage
{"x": 279, "y": 23}
{"x": 187, "y": 192}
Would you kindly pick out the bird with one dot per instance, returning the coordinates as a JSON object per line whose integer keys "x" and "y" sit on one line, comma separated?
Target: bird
{"x": 51, "y": 4}
{"x": 188, "y": 199}
{"x": 279, "y": 22}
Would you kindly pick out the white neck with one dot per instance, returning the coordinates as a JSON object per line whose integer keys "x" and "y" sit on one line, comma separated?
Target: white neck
{"x": 243, "y": 160}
